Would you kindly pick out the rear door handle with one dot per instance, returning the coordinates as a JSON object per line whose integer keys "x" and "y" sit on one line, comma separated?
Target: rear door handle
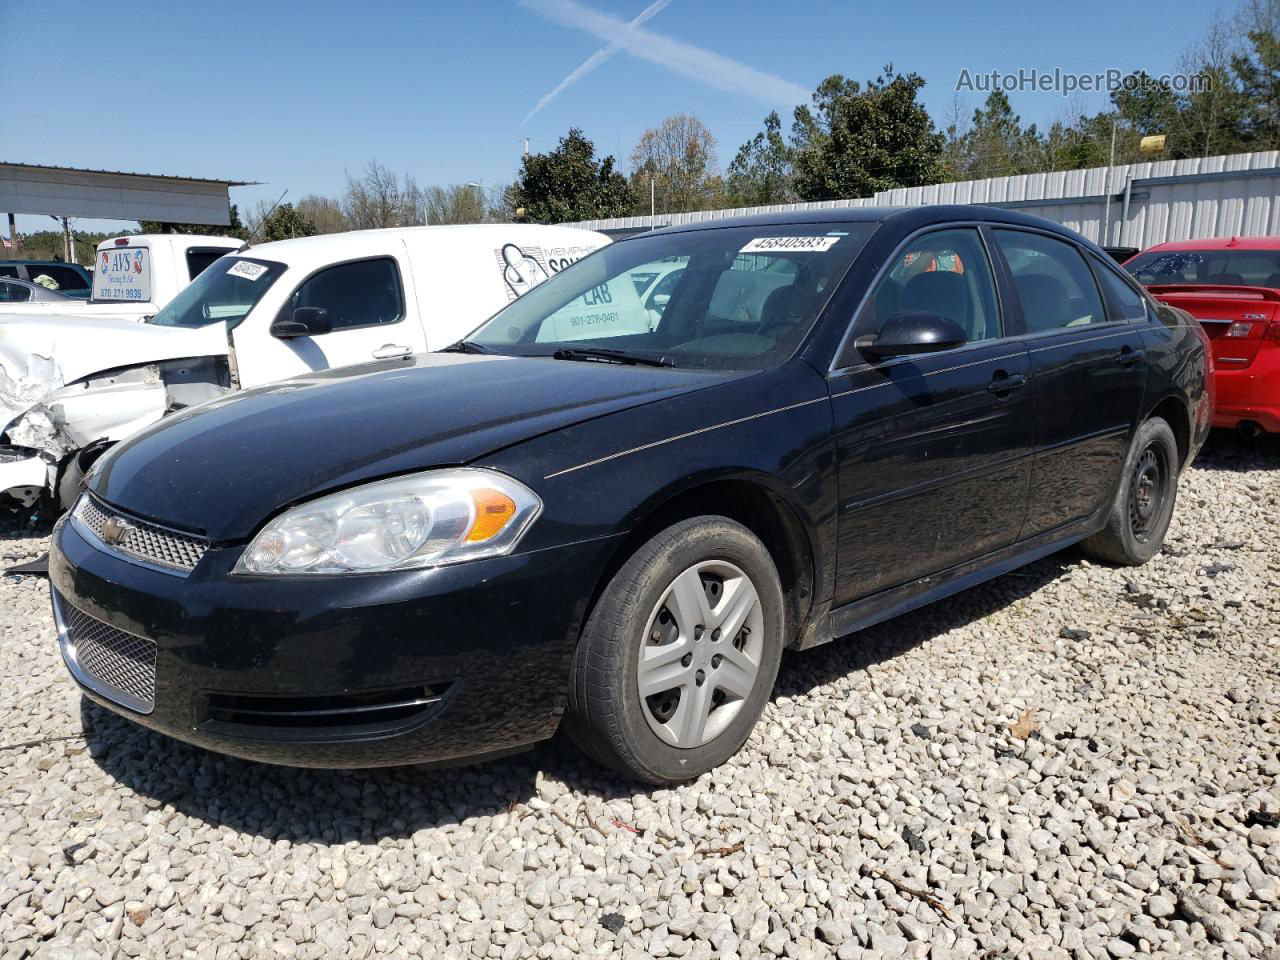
{"x": 1129, "y": 356}
{"x": 389, "y": 350}
{"x": 1006, "y": 384}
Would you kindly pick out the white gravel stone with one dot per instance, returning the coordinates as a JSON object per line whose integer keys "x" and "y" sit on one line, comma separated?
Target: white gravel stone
{"x": 1135, "y": 817}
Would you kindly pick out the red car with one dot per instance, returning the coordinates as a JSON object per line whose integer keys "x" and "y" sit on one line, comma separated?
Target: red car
{"x": 1232, "y": 286}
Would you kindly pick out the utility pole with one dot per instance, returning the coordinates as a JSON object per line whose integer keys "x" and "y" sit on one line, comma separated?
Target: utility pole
{"x": 1111, "y": 160}
{"x": 652, "y": 206}
{"x": 13, "y": 235}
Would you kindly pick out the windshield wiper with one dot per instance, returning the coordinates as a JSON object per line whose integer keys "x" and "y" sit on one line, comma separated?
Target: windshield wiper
{"x": 465, "y": 346}
{"x": 603, "y": 355}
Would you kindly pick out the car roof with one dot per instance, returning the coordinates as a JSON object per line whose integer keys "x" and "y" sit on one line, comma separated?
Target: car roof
{"x": 1218, "y": 243}
{"x": 353, "y": 244}
{"x": 912, "y": 216}
{"x": 41, "y": 263}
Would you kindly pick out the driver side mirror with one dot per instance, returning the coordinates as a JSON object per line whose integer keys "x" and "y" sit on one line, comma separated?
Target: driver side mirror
{"x": 912, "y": 332}
{"x": 305, "y": 322}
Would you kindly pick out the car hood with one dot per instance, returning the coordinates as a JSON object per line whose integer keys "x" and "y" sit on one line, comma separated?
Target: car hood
{"x": 41, "y": 354}
{"x": 223, "y": 467}
{"x": 82, "y": 345}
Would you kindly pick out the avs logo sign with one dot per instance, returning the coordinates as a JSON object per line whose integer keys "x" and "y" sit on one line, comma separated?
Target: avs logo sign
{"x": 123, "y": 273}
{"x": 524, "y": 267}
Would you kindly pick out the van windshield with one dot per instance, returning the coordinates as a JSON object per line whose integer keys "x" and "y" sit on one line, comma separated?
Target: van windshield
{"x": 223, "y": 293}
{"x": 725, "y": 298}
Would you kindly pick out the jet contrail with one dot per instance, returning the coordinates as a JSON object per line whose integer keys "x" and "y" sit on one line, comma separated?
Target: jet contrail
{"x": 682, "y": 58}
{"x": 597, "y": 58}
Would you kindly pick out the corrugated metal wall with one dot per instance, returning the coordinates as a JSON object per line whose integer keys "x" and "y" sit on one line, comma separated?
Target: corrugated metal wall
{"x": 1167, "y": 200}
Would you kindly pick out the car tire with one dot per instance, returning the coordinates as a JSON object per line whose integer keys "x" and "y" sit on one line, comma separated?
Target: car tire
{"x": 703, "y": 569}
{"x": 1144, "y": 502}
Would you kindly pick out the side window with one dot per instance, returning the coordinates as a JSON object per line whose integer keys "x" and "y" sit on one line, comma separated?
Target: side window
{"x": 65, "y": 277}
{"x": 13, "y": 293}
{"x": 946, "y": 272}
{"x": 9, "y": 272}
{"x": 365, "y": 293}
{"x": 1126, "y": 302}
{"x": 1054, "y": 283}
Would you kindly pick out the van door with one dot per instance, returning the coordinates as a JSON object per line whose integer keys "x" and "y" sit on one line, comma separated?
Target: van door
{"x": 366, "y": 305}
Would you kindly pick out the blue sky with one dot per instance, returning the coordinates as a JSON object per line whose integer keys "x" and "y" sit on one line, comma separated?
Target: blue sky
{"x": 293, "y": 93}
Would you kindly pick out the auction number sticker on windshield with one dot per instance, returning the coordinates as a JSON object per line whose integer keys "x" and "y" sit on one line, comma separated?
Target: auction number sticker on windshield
{"x": 243, "y": 268}
{"x": 791, "y": 244}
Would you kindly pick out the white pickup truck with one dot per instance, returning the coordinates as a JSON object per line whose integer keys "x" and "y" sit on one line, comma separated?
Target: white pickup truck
{"x": 134, "y": 277}
{"x": 71, "y": 385}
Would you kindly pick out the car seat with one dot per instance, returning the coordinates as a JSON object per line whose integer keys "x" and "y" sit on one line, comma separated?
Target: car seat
{"x": 1045, "y": 304}
{"x": 941, "y": 292}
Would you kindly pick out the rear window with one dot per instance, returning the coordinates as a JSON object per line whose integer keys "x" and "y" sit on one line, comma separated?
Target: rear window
{"x": 123, "y": 273}
{"x": 1240, "y": 268}
{"x": 199, "y": 258}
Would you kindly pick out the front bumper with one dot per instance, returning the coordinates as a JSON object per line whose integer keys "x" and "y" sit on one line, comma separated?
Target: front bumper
{"x": 356, "y": 671}
{"x": 22, "y": 474}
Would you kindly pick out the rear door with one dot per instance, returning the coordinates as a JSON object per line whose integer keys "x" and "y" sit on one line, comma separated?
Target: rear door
{"x": 366, "y": 300}
{"x": 1090, "y": 371}
{"x": 934, "y": 450}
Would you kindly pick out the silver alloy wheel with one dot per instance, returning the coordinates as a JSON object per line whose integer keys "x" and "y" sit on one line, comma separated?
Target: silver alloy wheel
{"x": 701, "y": 654}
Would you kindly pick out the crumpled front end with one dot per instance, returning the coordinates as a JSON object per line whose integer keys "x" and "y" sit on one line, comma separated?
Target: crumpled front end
{"x": 50, "y": 422}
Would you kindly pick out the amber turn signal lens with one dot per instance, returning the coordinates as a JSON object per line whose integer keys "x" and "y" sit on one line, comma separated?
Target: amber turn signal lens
{"x": 494, "y": 511}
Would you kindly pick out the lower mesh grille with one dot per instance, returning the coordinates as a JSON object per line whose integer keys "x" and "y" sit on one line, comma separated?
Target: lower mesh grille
{"x": 118, "y": 665}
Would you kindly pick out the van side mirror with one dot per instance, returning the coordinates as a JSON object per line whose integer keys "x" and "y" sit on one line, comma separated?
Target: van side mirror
{"x": 912, "y": 332}
{"x": 305, "y": 322}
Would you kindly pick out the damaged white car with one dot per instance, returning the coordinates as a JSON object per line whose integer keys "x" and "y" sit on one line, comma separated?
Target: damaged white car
{"x": 70, "y": 386}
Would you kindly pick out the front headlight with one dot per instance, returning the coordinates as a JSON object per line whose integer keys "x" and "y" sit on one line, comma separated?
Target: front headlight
{"x": 422, "y": 520}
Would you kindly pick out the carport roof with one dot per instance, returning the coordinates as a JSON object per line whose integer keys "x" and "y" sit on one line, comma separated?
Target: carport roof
{"x": 114, "y": 194}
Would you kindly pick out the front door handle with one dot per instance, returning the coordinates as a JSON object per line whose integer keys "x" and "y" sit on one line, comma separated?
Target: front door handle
{"x": 1129, "y": 356}
{"x": 389, "y": 350}
{"x": 1004, "y": 383}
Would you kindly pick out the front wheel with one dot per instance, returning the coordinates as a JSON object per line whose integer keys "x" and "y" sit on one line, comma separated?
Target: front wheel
{"x": 679, "y": 656}
{"x": 1143, "y": 506}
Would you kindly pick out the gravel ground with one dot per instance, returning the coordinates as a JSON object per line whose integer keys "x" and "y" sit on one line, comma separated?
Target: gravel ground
{"x": 1071, "y": 761}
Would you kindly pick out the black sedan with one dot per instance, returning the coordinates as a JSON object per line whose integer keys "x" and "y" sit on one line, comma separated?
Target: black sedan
{"x": 611, "y": 511}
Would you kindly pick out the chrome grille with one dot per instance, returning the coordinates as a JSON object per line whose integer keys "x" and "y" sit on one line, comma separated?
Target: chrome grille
{"x": 139, "y": 539}
{"x": 116, "y": 664}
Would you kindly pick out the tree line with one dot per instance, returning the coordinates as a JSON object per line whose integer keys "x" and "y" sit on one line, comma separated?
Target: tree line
{"x": 855, "y": 139}
{"x": 852, "y": 139}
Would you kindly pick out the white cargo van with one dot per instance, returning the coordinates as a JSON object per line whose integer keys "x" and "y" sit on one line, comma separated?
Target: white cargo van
{"x": 70, "y": 385}
{"x": 134, "y": 277}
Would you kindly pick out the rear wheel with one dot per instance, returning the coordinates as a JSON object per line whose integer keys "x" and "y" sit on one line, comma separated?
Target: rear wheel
{"x": 679, "y": 656}
{"x": 1143, "y": 507}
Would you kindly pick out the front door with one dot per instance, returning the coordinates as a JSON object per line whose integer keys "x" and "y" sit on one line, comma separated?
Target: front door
{"x": 1090, "y": 374}
{"x": 366, "y": 304}
{"x": 934, "y": 449}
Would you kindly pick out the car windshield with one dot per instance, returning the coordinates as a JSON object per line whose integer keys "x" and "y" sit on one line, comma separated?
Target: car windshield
{"x": 224, "y": 293}
{"x": 1235, "y": 268}
{"x": 728, "y": 298}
